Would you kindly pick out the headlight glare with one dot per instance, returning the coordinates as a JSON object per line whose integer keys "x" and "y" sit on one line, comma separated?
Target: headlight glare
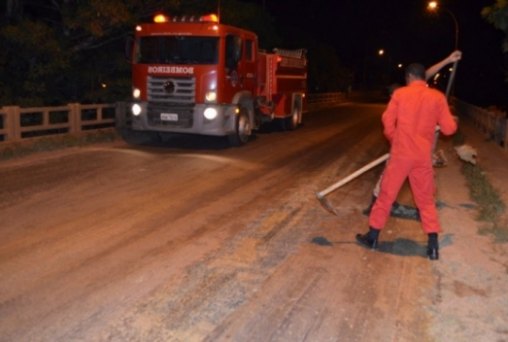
{"x": 210, "y": 113}
{"x": 136, "y": 109}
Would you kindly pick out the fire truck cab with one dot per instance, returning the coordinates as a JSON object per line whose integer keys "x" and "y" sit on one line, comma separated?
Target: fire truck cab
{"x": 195, "y": 75}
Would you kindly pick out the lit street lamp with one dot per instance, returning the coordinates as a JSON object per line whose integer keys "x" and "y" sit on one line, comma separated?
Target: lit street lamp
{"x": 433, "y": 6}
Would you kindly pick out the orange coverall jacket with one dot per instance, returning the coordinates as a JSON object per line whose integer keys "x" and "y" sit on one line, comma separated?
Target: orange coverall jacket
{"x": 409, "y": 123}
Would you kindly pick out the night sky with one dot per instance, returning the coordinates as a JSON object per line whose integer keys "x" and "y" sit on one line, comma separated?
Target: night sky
{"x": 408, "y": 33}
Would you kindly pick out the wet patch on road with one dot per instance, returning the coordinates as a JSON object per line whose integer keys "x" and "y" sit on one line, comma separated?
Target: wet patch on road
{"x": 321, "y": 241}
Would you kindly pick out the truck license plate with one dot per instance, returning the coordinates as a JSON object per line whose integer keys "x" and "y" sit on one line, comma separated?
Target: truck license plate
{"x": 169, "y": 117}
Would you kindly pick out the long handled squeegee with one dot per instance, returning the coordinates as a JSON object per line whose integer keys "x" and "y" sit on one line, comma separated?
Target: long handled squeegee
{"x": 447, "y": 94}
{"x": 321, "y": 195}
{"x": 451, "y": 79}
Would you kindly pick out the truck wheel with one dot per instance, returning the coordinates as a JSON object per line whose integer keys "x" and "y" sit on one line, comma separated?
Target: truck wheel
{"x": 243, "y": 129}
{"x": 295, "y": 118}
{"x": 292, "y": 122}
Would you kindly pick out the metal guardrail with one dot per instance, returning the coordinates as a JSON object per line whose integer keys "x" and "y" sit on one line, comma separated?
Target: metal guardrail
{"x": 315, "y": 101}
{"x": 492, "y": 123}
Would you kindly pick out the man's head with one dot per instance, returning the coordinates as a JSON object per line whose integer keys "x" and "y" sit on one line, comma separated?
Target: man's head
{"x": 415, "y": 71}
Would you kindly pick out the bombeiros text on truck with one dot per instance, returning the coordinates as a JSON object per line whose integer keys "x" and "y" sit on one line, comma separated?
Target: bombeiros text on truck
{"x": 196, "y": 75}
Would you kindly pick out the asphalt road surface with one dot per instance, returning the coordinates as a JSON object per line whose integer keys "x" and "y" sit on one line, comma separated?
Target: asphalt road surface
{"x": 190, "y": 240}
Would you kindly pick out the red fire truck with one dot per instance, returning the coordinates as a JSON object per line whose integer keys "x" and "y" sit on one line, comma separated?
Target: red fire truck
{"x": 195, "y": 75}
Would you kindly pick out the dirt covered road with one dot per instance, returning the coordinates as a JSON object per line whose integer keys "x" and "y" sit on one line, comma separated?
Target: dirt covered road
{"x": 191, "y": 241}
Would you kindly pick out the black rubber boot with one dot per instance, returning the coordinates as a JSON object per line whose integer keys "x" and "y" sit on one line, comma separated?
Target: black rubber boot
{"x": 433, "y": 247}
{"x": 368, "y": 239}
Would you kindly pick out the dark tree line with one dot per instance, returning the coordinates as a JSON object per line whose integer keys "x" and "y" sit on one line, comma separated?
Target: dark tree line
{"x": 60, "y": 51}
{"x": 497, "y": 15}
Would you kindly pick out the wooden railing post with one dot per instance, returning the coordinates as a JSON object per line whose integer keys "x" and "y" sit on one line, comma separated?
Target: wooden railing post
{"x": 12, "y": 122}
{"x": 74, "y": 117}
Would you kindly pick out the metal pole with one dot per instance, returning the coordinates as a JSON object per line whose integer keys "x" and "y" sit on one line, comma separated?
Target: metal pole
{"x": 456, "y": 23}
{"x": 451, "y": 79}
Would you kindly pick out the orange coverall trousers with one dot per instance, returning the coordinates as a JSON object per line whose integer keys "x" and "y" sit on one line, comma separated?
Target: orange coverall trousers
{"x": 421, "y": 180}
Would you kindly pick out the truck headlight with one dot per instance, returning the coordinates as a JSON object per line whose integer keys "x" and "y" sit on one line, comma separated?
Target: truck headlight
{"x": 136, "y": 93}
{"x": 210, "y": 113}
{"x": 136, "y": 109}
{"x": 211, "y": 96}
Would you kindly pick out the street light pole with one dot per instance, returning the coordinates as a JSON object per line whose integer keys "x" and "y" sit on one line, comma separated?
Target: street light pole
{"x": 433, "y": 6}
{"x": 456, "y": 27}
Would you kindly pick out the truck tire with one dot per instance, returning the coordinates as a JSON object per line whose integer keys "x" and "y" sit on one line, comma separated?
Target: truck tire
{"x": 292, "y": 122}
{"x": 294, "y": 119}
{"x": 243, "y": 129}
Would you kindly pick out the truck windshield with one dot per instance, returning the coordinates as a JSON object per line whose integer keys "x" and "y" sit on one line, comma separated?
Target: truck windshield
{"x": 176, "y": 50}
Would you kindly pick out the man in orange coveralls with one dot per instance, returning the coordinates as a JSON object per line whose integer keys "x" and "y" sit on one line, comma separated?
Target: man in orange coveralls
{"x": 405, "y": 211}
{"x": 409, "y": 124}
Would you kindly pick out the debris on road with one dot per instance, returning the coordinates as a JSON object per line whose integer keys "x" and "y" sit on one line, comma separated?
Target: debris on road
{"x": 467, "y": 153}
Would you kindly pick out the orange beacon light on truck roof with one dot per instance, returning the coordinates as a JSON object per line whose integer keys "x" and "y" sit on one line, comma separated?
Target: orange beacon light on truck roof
{"x": 211, "y": 18}
{"x": 160, "y": 18}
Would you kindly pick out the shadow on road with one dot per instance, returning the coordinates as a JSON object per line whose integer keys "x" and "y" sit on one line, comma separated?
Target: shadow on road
{"x": 190, "y": 141}
{"x": 176, "y": 140}
{"x": 401, "y": 246}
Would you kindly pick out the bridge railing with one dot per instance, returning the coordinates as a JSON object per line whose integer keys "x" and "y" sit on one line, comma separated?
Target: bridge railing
{"x": 18, "y": 123}
{"x": 316, "y": 101}
{"x": 492, "y": 123}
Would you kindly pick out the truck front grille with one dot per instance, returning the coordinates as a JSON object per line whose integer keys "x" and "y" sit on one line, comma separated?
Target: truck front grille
{"x": 172, "y": 90}
{"x": 171, "y": 95}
